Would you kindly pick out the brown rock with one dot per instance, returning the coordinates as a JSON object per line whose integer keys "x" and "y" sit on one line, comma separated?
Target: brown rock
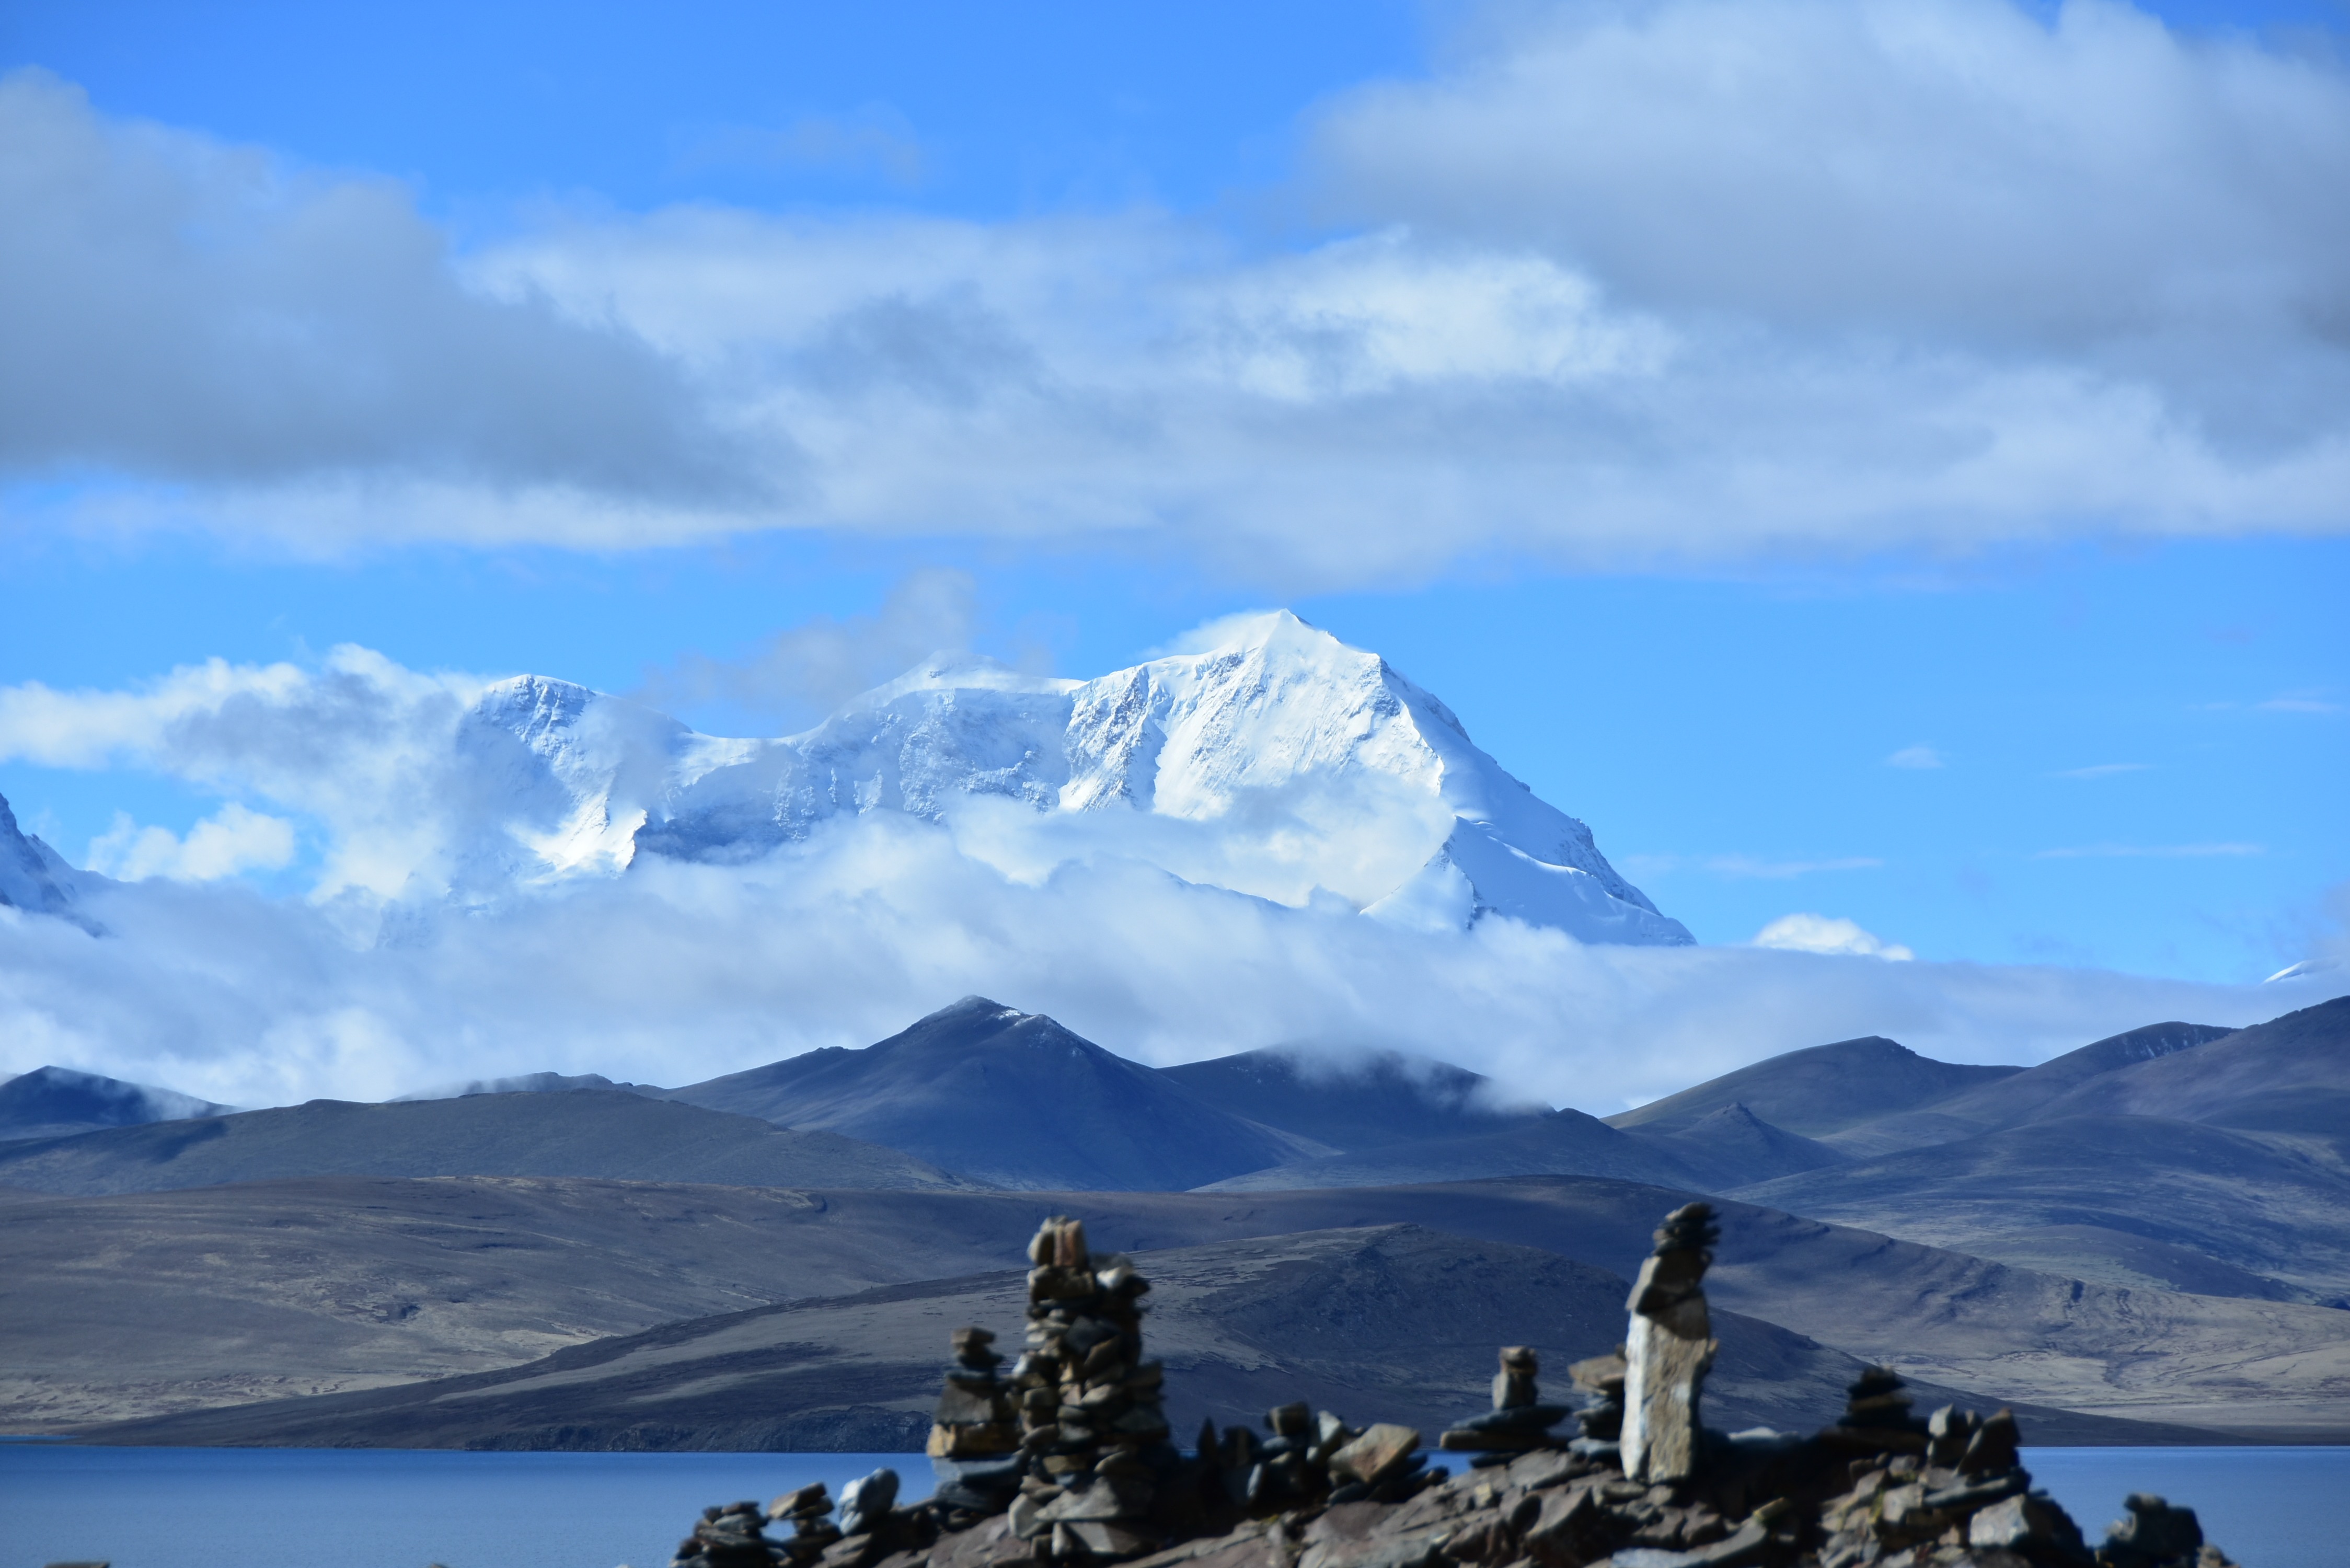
{"x": 1370, "y": 1457}
{"x": 1569, "y": 1531}
{"x": 1417, "y": 1549}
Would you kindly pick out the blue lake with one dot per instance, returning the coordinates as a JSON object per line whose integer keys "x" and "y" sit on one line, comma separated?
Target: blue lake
{"x": 373, "y": 1507}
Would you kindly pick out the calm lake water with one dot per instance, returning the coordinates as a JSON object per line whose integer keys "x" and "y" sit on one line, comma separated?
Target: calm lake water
{"x": 374, "y": 1508}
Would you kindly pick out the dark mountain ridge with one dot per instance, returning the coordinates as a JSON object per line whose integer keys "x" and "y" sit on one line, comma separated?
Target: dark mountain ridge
{"x": 588, "y": 1132}
{"x": 1820, "y": 1090}
{"x": 1010, "y": 1098}
{"x": 1565, "y": 1143}
{"x": 2005, "y": 1101}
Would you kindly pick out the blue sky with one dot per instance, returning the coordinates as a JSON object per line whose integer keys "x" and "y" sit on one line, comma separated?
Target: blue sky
{"x": 1702, "y": 614}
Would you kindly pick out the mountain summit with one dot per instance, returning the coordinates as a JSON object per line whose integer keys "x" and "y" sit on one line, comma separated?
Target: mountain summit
{"x": 1277, "y": 720}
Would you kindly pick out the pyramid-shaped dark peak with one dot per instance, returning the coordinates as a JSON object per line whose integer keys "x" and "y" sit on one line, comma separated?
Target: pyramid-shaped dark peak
{"x": 1009, "y": 1098}
{"x": 973, "y": 1006}
{"x": 979, "y": 1023}
{"x": 60, "y": 1102}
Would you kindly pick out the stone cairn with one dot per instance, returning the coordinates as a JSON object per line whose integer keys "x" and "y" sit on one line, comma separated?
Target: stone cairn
{"x": 1064, "y": 1462}
{"x": 1091, "y": 1429}
{"x": 1670, "y": 1347}
{"x": 1518, "y": 1421}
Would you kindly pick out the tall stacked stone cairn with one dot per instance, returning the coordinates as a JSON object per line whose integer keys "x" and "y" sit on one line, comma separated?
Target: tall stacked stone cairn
{"x": 1091, "y": 1430}
{"x": 1064, "y": 1462}
{"x": 1669, "y": 1347}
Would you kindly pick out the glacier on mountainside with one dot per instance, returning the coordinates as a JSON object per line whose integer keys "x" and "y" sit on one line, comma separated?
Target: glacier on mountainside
{"x": 1278, "y": 706}
{"x": 35, "y": 877}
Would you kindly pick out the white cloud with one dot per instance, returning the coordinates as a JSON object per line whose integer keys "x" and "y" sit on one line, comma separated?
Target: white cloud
{"x": 804, "y": 672}
{"x": 2155, "y": 851}
{"x": 1914, "y": 757}
{"x": 2102, "y": 770}
{"x": 1743, "y": 866}
{"x": 2299, "y": 703}
{"x": 1826, "y": 934}
{"x": 1681, "y": 282}
{"x": 1968, "y": 167}
{"x": 189, "y": 312}
{"x": 845, "y": 939}
{"x": 231, "y": 840}
{"x": 360, "y": 745}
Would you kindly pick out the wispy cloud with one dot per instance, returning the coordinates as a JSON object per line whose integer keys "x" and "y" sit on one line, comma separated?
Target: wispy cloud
{"x": 1743, "y": 866}
{"x": 2298, "y": 702}
{"x": 2152, "y": 851}
{"x": 873, "y": 141}
{"x": 1914, "y": 757}
{"x": 2101, "y": 771}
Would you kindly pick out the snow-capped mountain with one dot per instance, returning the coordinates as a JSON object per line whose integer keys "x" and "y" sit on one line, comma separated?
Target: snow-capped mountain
{"x": 1278, "y": 709}
{"x": 33, "y": 876}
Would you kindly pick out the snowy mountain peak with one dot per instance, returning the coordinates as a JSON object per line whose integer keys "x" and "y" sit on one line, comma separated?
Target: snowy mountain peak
{"x": 35, "y": 877}
{"x": 1269, "y": 736}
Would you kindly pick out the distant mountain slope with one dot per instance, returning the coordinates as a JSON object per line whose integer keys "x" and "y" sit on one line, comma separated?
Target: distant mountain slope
{"x": 1007, "y": 1097}
{"x": 1353, "y": 1102}
{"x": 2008, "y": 1100}
{"x": 2280, "y": 1071}
{"x": 1388, "y": 1322}
{"x": 1565, "y": 1143}
{"x": 59, "y": 1102}
{"x": 1734, "y": 1147}
{"x": 1820, "y": 1090}
{"x": 2130, "y": 1200}
{"x": 1279, "y": 708}
{"x": 619, "y": 1136}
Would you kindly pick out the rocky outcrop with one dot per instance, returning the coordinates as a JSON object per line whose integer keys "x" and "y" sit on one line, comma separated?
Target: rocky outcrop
{"x": 1064, "y": 1462}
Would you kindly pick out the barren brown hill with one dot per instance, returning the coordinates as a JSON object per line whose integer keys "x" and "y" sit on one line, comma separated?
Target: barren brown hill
{"x": 210, "y": 1296}
{"x": 1391, "y": 1323}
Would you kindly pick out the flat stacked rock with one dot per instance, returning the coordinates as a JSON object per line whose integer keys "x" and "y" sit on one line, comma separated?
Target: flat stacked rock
{"x": 1518, "y": 1423}
{"x": 1601, "y": 1419}
{"x": 1095, "y": 1479}
{"x": 974, "y": 1444}
{"x": 1092, "y": 1430}
{"x": 732, "y": 1536}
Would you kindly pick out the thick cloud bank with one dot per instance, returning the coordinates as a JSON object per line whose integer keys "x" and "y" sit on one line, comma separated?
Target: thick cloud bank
{"x": 674, "y": 973}
{"x": 1682, "y": 281}
{"x": 398, "y": 970}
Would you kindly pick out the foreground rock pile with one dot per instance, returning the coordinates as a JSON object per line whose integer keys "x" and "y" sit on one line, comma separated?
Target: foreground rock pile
{"x": 1064, "y": 1460}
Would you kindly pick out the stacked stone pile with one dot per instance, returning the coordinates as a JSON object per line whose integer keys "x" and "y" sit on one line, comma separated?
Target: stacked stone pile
{"x": 732, "y": 1536}
{"x": 809, "y": 1513}
{"x": 1076, "y": 1428}
{"x": 1601, "y": 1419}
{"x": 1310, "y": 1460}
{"x": 974, "y": 1444}
{"x": 1092, "y": 1431}
{"x": 1518, "y": 1423}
